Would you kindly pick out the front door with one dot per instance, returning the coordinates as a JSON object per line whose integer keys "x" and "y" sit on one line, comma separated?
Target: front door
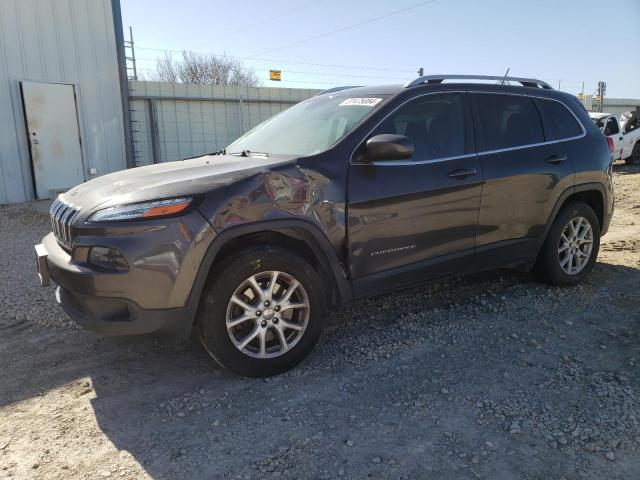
{"x": 417, "y": 218}
{"x": 54, "y": 141}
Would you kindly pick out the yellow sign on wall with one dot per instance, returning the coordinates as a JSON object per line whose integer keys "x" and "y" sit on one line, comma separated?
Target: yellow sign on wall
{"x": 275, "y": 75}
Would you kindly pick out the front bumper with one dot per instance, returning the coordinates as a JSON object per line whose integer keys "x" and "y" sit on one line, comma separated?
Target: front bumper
{"x": 99, "y": 301}
{"x": 111, "y": 317}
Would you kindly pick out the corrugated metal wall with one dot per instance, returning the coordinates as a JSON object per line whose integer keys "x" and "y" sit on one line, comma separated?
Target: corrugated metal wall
{"x": 620, "y": 105}
{"x": 178, "y": 120}
{"x": 63, "y": 41}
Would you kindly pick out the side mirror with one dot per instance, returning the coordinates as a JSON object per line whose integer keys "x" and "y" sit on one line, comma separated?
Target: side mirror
{"x": 387, "y": 147}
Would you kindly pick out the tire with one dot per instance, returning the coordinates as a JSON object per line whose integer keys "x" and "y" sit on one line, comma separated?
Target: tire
{"x": 549, "y": 265}
{"x": 634, "y": 158}
{"x": 262, "y": 316}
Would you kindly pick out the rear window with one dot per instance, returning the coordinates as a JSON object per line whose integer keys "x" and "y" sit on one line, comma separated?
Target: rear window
{"x": 559, "y": 120}
{"x": 508, "y": 121}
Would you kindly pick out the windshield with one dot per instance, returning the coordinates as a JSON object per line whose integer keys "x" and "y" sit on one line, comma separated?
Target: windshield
{"x": 599, "y": 123}
{"x": 308, "y": 127}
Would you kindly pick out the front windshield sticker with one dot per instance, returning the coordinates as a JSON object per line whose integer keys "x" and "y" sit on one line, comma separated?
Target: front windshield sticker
{"x": 362, "y": 101}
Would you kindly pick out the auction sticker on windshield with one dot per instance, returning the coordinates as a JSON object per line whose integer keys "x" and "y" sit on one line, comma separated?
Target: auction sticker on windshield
{"x": 363, "y": 101}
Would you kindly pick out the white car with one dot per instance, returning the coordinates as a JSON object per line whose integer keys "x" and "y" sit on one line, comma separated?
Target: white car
{"x": 623, "y": 136}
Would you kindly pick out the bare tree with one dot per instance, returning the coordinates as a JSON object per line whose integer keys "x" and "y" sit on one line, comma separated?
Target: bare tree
{"x": 165, "y": 69}
{"x": 204, "y": 69}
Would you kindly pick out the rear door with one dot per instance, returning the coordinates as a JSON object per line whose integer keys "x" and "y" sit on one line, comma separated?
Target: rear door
{"x": 416, "y": 218}
{"x": 525, "y": 170}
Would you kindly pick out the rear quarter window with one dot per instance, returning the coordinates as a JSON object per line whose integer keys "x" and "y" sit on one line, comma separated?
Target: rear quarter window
{"x": 508, "y": 121}
{"x": 558, "y": 120}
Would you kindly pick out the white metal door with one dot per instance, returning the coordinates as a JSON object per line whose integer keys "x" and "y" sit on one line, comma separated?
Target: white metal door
{"x": 52, "y": 126}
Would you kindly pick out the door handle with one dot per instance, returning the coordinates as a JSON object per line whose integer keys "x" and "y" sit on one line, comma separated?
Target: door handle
{"x": 556, "y": 159}
{"x": 462, "y": 173}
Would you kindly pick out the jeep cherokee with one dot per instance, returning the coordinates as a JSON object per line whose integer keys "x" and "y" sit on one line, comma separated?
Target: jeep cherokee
{"x": 351, "y": 193}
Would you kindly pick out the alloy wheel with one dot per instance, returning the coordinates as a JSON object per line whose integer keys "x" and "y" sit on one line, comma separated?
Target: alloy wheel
{"x": 267, "y": 314}
{"x": 576, "y": 243}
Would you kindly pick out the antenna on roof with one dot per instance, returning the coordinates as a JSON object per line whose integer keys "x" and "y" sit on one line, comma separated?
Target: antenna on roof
{"x": 506, "y": 74}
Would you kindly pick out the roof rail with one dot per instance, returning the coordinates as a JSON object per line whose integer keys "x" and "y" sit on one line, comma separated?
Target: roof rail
{"x": 525, "y": 82}
{"x": 336, "y": 89}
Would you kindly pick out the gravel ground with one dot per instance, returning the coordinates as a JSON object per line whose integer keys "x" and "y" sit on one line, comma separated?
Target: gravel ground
{"x": 489, "y": 376}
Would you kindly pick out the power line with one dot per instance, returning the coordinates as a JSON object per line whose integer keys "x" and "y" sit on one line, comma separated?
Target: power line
{"x": 310, "y": 72}
{"x": 348, "y": 27}
{"x": 275, "y": 17}
{"x": 409, "y": 71}
{"x": 273, "y": 60}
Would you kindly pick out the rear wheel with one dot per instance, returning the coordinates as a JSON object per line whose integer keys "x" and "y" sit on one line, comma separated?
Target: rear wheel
{"x": 263, "y": 312}
{"x": 634, "y": 158}
{"x": 571, "y": 247}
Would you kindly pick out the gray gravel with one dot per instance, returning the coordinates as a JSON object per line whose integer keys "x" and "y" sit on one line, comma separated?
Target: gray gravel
{"x": 491, "y": 376}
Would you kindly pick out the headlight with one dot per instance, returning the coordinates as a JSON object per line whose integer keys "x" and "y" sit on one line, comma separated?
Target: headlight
{"x": 153, "y": 209}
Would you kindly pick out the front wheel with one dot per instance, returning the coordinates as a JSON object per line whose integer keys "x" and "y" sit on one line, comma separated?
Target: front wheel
{"x": 262, "y": 312}
{"x": 571, "y": 248}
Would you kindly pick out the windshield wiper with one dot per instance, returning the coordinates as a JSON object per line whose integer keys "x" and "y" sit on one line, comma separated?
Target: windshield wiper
{"x": 219, "y": 152}
{"x": 249, "y": 153}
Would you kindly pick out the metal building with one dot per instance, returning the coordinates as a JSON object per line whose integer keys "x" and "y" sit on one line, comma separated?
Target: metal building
{"x": 617, "y": 106}
{"x": 62, "y": 95}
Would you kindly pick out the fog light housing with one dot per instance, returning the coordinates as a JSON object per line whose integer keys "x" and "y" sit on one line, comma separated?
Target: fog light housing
{"x": 108, "y": 258}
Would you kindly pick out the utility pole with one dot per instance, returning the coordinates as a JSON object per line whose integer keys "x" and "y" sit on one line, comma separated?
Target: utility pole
{"x": 421, "y": 72}
{"x": 602, "y": 90}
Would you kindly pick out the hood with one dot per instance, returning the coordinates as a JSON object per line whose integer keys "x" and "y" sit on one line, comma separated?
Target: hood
{"x": 171, "y": 179}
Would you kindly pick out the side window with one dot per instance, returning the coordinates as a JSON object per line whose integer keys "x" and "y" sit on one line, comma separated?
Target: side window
{"x": 435, "y": 124}
{"x": 508, "y": 121}
{"x": 612, "y": 127}
{"x": 561, "y": 123}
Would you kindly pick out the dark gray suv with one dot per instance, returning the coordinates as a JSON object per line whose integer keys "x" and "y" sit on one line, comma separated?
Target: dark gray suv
{"x": 349, "y": 194}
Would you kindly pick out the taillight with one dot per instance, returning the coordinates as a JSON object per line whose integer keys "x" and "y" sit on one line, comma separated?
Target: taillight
{"x": 611, "y": 144}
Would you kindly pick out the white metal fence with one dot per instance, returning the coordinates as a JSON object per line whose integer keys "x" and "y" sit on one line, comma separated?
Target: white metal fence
{"x": 171, "y": 121}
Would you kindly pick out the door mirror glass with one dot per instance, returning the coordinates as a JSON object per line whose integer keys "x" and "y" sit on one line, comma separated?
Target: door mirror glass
{"x": 388, "y": 147}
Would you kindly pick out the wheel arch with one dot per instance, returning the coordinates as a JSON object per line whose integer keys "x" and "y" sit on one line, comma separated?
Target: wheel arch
{"x": 593, "y": 194}
{"x": 300, "y": 236}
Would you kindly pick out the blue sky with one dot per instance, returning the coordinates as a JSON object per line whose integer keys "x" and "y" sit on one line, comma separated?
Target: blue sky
{"x": 556, "y": 40}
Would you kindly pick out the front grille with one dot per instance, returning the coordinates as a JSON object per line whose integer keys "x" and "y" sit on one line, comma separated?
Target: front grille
{"x": 62, "y": 216}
